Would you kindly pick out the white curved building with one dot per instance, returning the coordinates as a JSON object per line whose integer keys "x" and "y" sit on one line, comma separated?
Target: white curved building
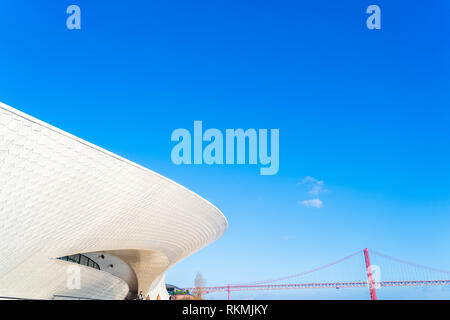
{"x": 115, "y": 226}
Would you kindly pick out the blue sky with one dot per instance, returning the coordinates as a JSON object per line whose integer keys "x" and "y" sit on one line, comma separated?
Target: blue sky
{"x": 364, "y": 111}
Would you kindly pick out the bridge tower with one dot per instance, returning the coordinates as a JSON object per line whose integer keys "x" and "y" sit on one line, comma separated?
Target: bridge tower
{"x": 373, "y": 294}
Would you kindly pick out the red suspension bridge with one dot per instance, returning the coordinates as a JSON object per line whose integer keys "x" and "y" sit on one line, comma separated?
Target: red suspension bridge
{"x": 396, "y": 273}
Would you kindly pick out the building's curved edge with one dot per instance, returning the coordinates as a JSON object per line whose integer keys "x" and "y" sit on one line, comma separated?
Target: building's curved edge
{"x": 100, "y": 149}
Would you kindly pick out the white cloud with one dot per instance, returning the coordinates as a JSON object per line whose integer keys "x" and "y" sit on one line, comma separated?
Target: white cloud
{"x": 315, "y": 186}
{"x": 312, "y": 203}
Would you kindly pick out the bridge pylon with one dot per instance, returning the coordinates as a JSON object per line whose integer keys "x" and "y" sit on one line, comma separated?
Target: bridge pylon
{"x": 373, "y": 294}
